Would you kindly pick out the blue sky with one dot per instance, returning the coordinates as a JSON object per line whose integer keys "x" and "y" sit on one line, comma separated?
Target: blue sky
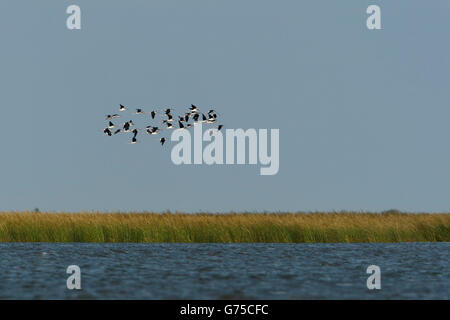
{"x": 364, "y": 116}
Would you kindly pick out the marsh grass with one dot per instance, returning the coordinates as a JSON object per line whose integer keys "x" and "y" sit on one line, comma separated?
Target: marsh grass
{"x": 227, "y": 228}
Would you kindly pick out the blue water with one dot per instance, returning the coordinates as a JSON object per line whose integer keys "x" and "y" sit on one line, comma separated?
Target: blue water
{"x": 224, "y": 271}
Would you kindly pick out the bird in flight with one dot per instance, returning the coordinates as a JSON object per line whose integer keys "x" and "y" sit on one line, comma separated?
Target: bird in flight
{"x": 211, "y": 119}
{"x": 107, "y": 131}
{"x": 126, "y": 126}
{"x": 193, "y": 108}
{"x": 109, "y": 116}
{"x": 169, "y": 118}
{"x": 195, "y": 117}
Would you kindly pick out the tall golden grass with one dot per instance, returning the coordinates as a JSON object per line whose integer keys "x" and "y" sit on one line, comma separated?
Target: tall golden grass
{"x": 227, "y": 228}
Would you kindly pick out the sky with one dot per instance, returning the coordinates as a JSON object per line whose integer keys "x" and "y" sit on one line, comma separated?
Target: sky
{"x": 363, "y": 115}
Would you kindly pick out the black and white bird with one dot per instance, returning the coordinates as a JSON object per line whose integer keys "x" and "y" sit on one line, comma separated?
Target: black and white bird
{"x": 110, "y": 125}
{"x": 152, "y": 130}
{"x": 112, "y": 116}
{"x": 181, "y": 125}
{"x": 153, "y": 113}
{"x": 169, "y": 125}
{"x": 133, "y": 140}
{"x": 195, "y": 117}
{"x": 162, "y": 140}
{"x": 155, "y": 130}
{"x": 122, "y": 108}
{"x": 127, "y": 125}
{"x": 139, "y": 111}
{"x": 169, "y": 119}
{"x": 117, "y": 131}
{"x": 193, "y": 108}
{"x": 168, "y": 110}
{"x": 107, "y": 131}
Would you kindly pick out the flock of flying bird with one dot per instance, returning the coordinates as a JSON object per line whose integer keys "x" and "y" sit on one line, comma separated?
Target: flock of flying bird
{"x": 166, "y": 124}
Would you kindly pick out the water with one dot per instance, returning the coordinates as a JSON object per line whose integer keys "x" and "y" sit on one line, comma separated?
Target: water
{"x": 224, "y": 271}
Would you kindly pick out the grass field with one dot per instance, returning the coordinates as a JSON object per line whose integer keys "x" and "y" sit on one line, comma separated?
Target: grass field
{"x": 232, "y": 227}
